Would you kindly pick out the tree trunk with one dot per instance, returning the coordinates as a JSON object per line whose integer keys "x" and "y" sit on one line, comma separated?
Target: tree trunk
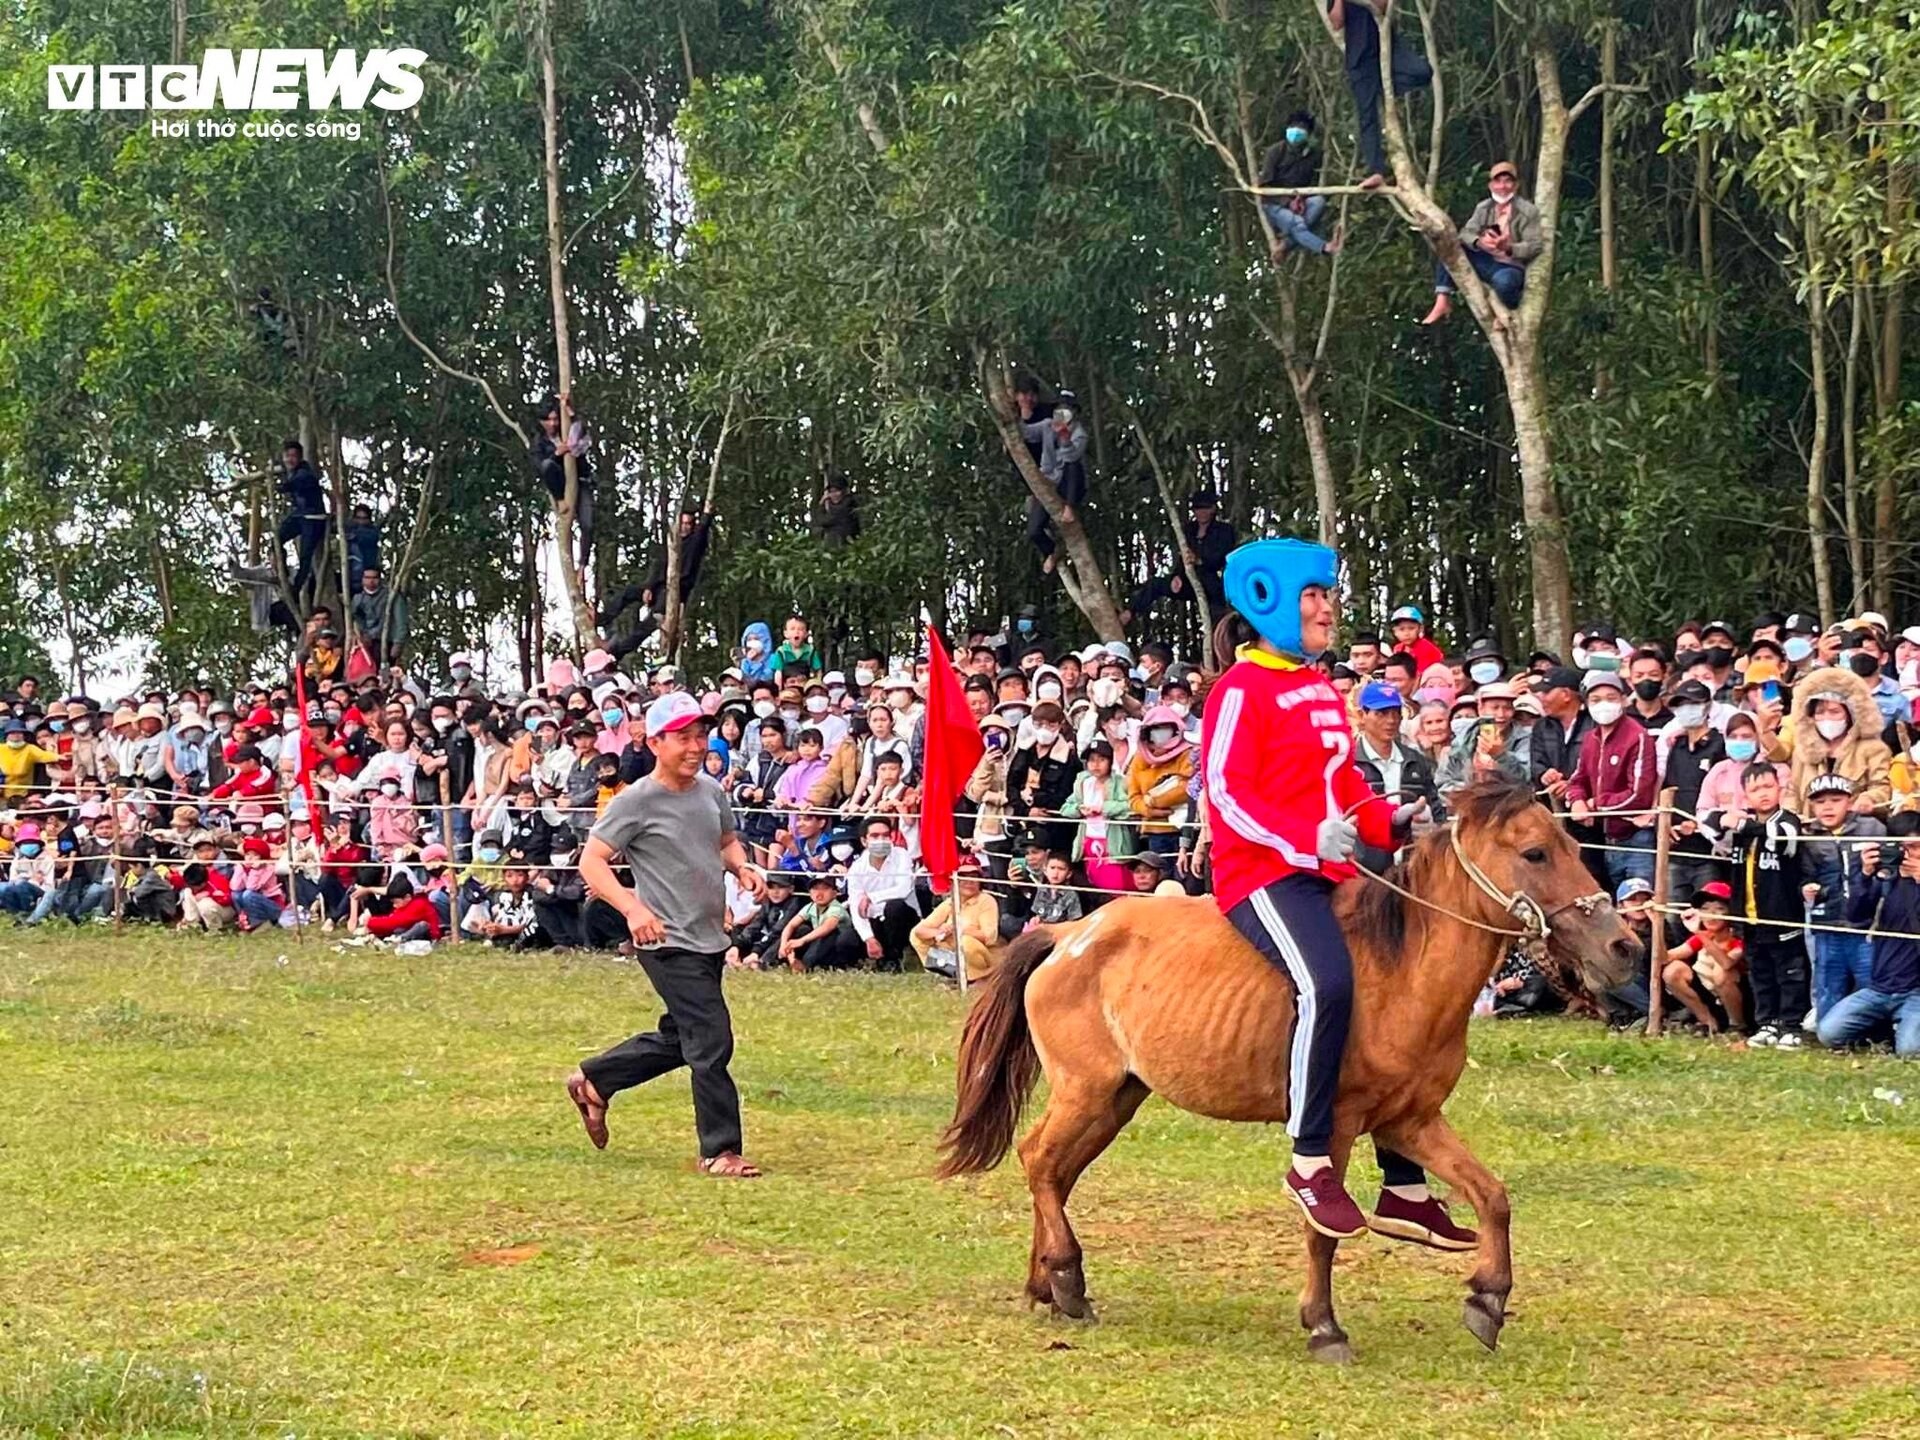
{"x": 1189, "y": 562}
{"x": 1079, "y": 570}
{"x": 1514, "y": 336}
{"x": 1817, "y": 449}
{"x": 1886, "y": 394}
{"x": 573, "y": 563}
{"x": 1849, "y": 454}
{"x": 673, "y": 614}
{"x": 1703, "y": 208}
{"x": 1609, "y": 74}
{"x": 1313, "y": 425}
{"x": 1540, "y": 504}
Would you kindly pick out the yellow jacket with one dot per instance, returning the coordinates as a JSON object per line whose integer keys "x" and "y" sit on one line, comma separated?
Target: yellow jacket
{"x": 16, "y": 766}
{"x": 1157, "y": 790}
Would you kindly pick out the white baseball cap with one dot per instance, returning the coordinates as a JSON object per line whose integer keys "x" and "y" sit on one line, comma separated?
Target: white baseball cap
{"x": 673, "y": 711}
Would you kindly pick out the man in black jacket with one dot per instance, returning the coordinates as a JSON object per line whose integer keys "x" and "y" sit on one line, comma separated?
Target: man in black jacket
{"x": 1554, "y": 750}
{"x": 1293, "y": 164}
{"x": 694, "y": 531}
{"x": 1212, "y": 540}
{"x": 1040, "y": 777}
{"x": 306, "y": 519}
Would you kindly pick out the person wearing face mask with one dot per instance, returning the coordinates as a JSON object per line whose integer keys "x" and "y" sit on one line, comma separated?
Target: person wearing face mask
{"x": 1157, "y": 780}
{"x": 20, "y": 759}
{"x": 1866, "y": 656}
{"x": 880, "y": 895}
{"x": 1647, "y": 679}
{"x": 1176, "y": 693}
{"x": 1836, "y": 727}
{"x": 1485, "y": 665}
{"x": 1293, "y": 163}
{"x": 759, "y": 787}
{"x": 1063, "y": 450}
{"x": 1717, "y": 653}
{"x": 30, "y": 885}
{"x": 1040, "y": 775}
{"x": 1691, "y": 747}
{"x": 986, "y": 791}
{"x": 1618, "y": 774}
{"x": 393, "y": 825}
{"x": 1500, "y": 239}
{"x": 818, "y": 706}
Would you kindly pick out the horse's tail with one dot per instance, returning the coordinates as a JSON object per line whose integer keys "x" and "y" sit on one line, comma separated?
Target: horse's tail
{"x": 998, "y": 1063}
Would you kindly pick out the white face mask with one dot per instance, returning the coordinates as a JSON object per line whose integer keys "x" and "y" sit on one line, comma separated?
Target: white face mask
{"x": 1042, "y": 738}
{"x": 1691, "y": 717}
{"x": 1831, "y": 728}
{"x": 1484, "y": 672}
{"x": 1180, "y": 708}
{"x": 1604, "y": 712}
{"x": 1461, "y": 724}
{"x": 863, "y": 678}
{"x": 1104, "y": 692}
{"x": 1049, "y": 691}
{"x": 764, "y": 708}
{"x": 817, "y": 704}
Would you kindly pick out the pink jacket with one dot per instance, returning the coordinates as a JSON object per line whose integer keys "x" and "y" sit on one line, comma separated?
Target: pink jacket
{"x": 391, "y": 823}
{"x": 261, "y": 878}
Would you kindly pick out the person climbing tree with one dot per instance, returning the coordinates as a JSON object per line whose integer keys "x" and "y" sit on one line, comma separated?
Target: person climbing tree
{"x": 1294, "y": 164}
{"x": 550, "y": 450}
{"x": 1500, "y": 238}
{"x": 1062, "y": 458}
{"x": 1354, "y": 21}
{"x": 306, "y": 518}
{"x": 1211, "y": 540}
{"x": 693, "y": 531}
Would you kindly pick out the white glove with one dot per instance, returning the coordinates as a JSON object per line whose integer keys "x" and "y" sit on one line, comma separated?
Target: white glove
{"x": 1335, "y": 839}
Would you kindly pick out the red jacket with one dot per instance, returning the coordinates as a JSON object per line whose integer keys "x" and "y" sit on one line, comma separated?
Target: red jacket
{"x": 1616, "y": 772}
{"x": 260, "y": 785}
{"x": 1278, "y": 755}
{"x": 1425, "y": 653}
{"x": 404, "y": 916}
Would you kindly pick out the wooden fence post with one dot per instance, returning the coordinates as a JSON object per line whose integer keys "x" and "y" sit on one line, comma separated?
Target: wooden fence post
{"x": 1657, "y": 937}
{"x": 452, "y": 848}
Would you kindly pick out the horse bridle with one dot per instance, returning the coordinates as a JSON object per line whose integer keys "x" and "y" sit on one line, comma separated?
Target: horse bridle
{"x": 1529, "y": 912}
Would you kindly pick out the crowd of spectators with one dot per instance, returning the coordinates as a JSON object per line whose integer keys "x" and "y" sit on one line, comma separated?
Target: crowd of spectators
{"x": 410, "y": 807}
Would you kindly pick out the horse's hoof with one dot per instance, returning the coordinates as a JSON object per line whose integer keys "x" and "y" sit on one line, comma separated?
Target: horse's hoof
{"x": 1070, "y": 1293}
{"x": 1484, "y": 1315}
{"x": 1330, "y": 1349}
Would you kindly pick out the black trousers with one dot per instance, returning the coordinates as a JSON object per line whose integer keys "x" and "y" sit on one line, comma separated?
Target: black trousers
{"x": 309, "y": 532}
{"x": 1410, "y": 72}
{"x": 1291, "y": 923}
{"x": 840, "y": 950}
{"x": 1777, "y": 966}
{"x": 893, "y": 928}
{"x": 696, "y": 1031}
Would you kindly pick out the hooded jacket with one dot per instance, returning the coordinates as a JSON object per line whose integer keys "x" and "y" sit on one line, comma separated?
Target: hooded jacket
{"x": 758, "y": 667}
{"x": 1860, "y": 754}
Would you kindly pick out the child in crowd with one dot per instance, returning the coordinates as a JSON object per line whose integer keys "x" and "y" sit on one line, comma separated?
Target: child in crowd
{"x": 756, "y": 943}
{"x": 1841, "y": 962}
{"x": 1053, "y": 902}
{"x": 506, "y": 916}
{"x": 409, "y": 916}
{"x": 819, "y": 936}
{"x": 258, "y": 896}
{"x": 393, "y": 825}
{"x": 1705, "y": 975}
{"x": 1768, "y": 899}
{"x": 206, "y": 898}
{"x": 796, "y": 661}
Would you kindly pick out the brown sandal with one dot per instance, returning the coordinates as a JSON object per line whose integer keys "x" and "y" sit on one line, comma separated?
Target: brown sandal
{"x": 729, "y": 1166}
{"x": 593, "y": 1110}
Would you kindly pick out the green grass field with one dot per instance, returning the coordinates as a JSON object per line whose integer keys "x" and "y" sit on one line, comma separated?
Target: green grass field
{"x": 278, "y": 1187}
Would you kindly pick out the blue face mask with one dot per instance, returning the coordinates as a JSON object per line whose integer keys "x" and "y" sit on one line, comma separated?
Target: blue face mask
{"x": 56, "y": 726}
{"x": 1742, "y": 750}
{"x": 490, "y": 856}
{"x": 1296, "y": 135}
{"x": 613, "y": 717}
{"x": 30, "y": 849}
{"x": 1023, "y": 625}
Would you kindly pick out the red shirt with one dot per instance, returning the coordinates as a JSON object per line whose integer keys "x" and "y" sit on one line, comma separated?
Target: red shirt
{"x": 1278, "y": 754}
{"x": 260, "y": 785}
{"x": 1425, "y": 653}
{"x": 1617, "y": 771}
{"x": 406, "y": 914}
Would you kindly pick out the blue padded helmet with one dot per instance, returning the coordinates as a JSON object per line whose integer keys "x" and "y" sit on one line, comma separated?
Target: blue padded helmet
{"x": 1263, "y": 582}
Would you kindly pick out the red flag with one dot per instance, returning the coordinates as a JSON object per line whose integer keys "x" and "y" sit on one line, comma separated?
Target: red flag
{"x": 953, "y": 748}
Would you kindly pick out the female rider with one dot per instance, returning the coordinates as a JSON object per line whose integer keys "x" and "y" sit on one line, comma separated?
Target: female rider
{"x": 1288, "y": 807}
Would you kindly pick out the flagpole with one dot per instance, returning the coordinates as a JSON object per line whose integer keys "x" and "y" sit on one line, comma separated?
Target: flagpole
{"x": 959, "y": 935}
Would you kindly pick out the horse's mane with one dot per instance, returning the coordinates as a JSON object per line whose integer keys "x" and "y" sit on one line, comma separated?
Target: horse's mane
{"x": 1378, "y": 915}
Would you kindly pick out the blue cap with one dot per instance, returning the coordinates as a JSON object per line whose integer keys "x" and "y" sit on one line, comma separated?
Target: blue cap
{"x": 1378, "y": 695}
{"x": 1407, "y": 612}
{"x": 13, "y": 727}
{"x": 1630, "y": 887}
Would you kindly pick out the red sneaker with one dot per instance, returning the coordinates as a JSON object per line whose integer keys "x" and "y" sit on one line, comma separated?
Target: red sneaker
{"x": 1326, "y": 1204}
{"x": 1424, "y": 1222}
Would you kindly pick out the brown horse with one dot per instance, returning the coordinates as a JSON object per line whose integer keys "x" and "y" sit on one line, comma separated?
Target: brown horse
{"x": 1162, "y": 994}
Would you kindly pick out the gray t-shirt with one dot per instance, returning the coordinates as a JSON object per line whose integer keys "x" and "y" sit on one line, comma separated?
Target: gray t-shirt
{"x": 672, "y": 839}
